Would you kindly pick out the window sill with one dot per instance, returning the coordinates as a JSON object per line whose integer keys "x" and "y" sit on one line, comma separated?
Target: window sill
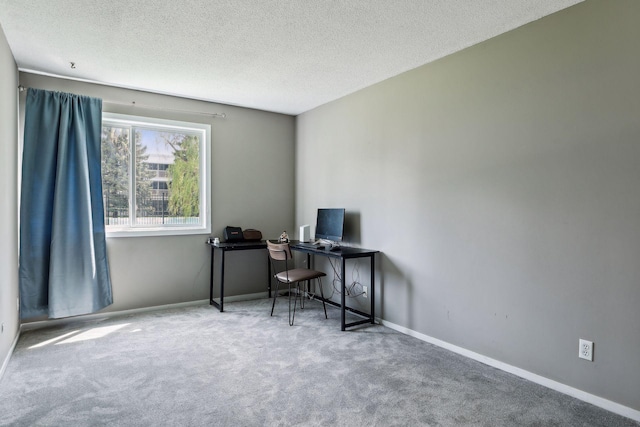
{"x": 152, "y": 232}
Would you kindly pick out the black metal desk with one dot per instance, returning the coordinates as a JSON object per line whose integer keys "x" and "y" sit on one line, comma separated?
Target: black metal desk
{"x": 224, "y": 248}
{"x": 343, "y": 255}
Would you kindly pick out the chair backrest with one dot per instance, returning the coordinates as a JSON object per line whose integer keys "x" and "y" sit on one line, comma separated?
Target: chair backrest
{"x": 279, "y": 251}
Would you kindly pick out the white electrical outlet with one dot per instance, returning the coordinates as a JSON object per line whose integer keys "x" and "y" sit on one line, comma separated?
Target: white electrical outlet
{"x": 585, "y": 350}
{"x": 365, "y": 291}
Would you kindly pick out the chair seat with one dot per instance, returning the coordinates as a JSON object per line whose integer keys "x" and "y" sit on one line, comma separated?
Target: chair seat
{"x": 281, "y": 253}
{"x": 298, "y": 275}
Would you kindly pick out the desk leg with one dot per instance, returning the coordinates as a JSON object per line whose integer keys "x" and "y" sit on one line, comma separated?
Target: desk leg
{"x": 309, "y": 281}
{"x": 211, "y": 300}
{"x": 343, "y": 302}
{"x": 373, "y": 290}
{"x": 213, "y": 251}
{"x": 222, "y": 281}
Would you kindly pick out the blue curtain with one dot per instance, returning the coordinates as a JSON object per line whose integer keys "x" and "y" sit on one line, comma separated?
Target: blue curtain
{"x": 63, "y": 258}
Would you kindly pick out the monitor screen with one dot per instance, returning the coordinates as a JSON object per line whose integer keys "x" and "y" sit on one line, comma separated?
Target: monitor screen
{"x": 330, "y": 224}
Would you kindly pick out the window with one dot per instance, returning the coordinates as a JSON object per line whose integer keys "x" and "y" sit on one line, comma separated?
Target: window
{"x": 155, "y": 176}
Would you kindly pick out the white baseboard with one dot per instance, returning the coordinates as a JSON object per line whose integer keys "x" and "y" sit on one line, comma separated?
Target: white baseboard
{"x": 50, "y": 322}
{"x": 109, "y": 314}
{"x": 246, "y": 297}
{"x": 5, "y": 362}
{"x": 614, "y": 407}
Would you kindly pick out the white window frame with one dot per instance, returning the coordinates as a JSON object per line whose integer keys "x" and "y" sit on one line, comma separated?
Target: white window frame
{"x": 204, "y": 227}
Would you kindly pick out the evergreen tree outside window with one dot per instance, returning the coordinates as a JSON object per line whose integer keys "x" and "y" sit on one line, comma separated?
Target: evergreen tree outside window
{"x": 155, "y": 176}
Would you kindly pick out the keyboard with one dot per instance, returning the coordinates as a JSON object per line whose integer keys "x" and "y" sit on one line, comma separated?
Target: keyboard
{"x": 319, "y": 246}
{"x": 309, "y": 245}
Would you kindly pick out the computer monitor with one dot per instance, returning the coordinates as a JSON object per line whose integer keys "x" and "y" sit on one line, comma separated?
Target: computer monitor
{"x": 330, "y": 224}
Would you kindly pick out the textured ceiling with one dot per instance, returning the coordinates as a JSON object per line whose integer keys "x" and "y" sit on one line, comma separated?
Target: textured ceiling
{"x": 287, "y": 56}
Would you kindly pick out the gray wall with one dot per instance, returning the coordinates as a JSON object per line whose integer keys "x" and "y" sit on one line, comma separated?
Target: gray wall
{"x": 502, "y": 185}
{"x": 248, "y": 190}
{"x": 8, "y": 198}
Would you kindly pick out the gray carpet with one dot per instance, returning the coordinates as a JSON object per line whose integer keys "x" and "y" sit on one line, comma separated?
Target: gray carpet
{"x": 195, "y": 366}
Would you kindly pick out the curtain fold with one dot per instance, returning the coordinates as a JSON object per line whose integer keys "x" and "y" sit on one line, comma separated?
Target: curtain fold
{"x": 64, "y": 269}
